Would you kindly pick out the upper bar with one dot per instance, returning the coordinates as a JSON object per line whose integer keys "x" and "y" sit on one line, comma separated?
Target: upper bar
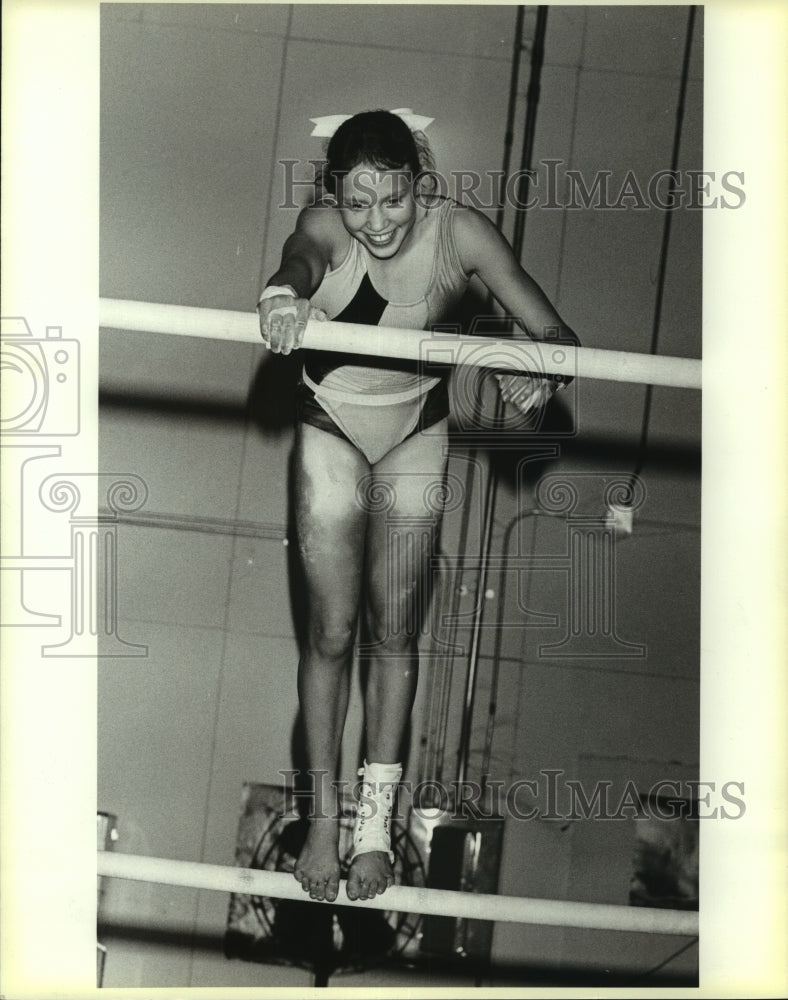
{"x": 404, "y": 899}
{"x": 546, "y": 357}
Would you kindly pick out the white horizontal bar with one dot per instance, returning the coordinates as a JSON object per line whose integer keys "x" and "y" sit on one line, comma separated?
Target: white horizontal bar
{"x": 389, "y": 342}
{"x": 404, "y": 899}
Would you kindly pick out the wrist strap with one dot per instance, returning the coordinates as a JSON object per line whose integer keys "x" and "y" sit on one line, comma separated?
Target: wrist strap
{"x": 272, "y": 290}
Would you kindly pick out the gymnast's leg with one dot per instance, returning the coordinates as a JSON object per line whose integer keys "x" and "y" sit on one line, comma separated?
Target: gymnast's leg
{"x": 330, "y": 527}
{"x": 401, "y": 544}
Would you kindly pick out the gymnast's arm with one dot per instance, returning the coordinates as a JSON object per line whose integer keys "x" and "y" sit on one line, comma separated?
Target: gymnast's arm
{"x": 306, "y": 254}
{"x": 483, "y": 251}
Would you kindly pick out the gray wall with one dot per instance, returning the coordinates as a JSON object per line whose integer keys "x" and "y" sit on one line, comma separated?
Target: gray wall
{"x": 199, "y": 105}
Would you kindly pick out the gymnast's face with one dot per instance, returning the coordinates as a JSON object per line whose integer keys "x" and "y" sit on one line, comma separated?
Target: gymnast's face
{"x": 378, "y": 208}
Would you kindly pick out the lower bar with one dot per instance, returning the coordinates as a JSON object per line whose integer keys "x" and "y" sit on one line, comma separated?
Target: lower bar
{"x": 404, "y": 899}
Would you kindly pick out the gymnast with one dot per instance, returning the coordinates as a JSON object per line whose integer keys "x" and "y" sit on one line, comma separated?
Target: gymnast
{"x": 376, "y": 248}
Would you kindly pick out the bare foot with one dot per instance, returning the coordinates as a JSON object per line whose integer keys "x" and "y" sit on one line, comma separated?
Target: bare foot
{"x": 370, "y": 875}
{"x": 317, "y": 868}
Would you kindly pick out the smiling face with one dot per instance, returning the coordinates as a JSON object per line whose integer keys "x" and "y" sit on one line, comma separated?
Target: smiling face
{"x": 378, "y": 208}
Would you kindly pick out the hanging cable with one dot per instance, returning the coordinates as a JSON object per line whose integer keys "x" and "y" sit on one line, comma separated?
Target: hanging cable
{"x": 491, "y": 489}
{"x": 663, "y": 257}
{"x": 532, "y": 103}
{"x": 492, "y": 705}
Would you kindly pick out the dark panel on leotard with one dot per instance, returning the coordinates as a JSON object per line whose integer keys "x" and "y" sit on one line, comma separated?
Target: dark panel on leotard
{"x": 366, "y": 307}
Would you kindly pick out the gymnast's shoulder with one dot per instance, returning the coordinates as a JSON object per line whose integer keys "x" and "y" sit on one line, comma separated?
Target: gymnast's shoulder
{"x": 476, "y": 236}
{"x": 320, "y": 224}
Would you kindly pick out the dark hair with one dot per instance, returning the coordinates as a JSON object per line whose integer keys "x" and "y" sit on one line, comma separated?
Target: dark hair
{"x": 378, "y": 138}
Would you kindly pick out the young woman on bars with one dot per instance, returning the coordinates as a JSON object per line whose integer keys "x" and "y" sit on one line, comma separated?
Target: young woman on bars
{"x": 376, "y": 249}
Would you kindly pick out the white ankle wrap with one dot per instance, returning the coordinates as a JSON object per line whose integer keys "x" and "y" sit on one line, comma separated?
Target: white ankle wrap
{"x": 372, "y": 830}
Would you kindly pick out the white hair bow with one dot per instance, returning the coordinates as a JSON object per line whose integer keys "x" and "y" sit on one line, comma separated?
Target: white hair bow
{"x": 325, "y": 127}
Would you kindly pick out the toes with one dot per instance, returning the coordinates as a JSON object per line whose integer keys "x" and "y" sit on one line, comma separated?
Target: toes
{"x": 383, "y": 884}
{"x": 356, "y": 886}
{"x": 363, "y": 884}
{"x": 332, "y": 889}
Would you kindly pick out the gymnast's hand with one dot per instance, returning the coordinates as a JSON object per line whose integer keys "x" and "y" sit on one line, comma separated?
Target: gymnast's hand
{"x": 283, "y": 319}
{"x": 526, "y": 392}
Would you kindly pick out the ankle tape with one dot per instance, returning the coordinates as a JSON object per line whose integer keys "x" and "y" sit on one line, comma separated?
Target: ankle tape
{"x": 377, "y": 791}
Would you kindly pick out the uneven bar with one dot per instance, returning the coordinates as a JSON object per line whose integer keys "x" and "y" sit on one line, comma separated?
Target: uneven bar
{"x": 404, "y": 899}
{"x": 376, "y": 341}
